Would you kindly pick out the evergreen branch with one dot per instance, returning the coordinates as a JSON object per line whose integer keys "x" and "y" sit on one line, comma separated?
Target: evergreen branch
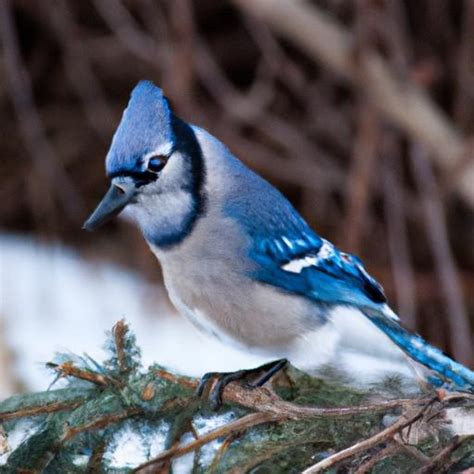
{"x": 266, "y": 401}
{"x": 439, "y": 461}
{"x": 67, "y": 369}
{"x": 236, "y": 426}
{"x": 39, "y": 410}
{"x": 305, "y": 415}
{"x": 366, "y": 444}
{"x": 99, "y": 423}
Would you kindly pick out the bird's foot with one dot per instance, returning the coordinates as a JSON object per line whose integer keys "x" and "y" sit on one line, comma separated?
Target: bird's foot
{"x": 264, "y": 372}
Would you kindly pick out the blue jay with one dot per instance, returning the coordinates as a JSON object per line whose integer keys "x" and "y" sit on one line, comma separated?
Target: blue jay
{"x": 242, "y": 264}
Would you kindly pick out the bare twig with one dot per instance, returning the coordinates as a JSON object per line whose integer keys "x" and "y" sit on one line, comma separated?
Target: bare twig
{"x": 403, "y": 273}
{"x": 266, "y": 401}
{"x": 19, "y": 87}
{"x": 457, "y": 396}
{"x": 67, "y": 369}
{"x": 438, "y": 461}
{"x": 366, "y": 444}
{"x": 129, "y": 33}
{"x": 402, "y": 102}
{"x": 179, "y": 77}
{"x": 464, "y": 101}
{"x": 387, "y": 451}
{"x": 247, "y": 107}
{"x": 79, "y": 71}
{"x": 460, "y": 328}
{"x": 359, "y": 179}
{"x": 98, "y": 423}
{"x": 40, "y": 410}
{"x": 412, "y": 450}
{"x": 119, "y": 331}
{"x": 222, "y": 450}
{"x": 239, "y": 425}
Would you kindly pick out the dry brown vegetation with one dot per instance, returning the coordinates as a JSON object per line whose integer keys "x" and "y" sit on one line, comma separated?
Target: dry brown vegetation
{"x": 361, "y": 112}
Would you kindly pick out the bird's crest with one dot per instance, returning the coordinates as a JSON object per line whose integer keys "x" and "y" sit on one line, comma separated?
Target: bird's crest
{"x": 145, "y": 127}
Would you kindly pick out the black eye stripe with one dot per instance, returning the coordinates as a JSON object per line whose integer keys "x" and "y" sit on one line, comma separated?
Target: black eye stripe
{"x": 140, "y": 178}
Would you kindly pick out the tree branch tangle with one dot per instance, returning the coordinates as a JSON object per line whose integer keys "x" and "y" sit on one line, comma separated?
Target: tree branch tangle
{"x": 296, "y": 419}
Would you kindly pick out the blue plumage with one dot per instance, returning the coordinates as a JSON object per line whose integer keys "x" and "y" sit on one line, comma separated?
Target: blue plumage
{"x": 236, "y": 256}
{"x": 334, "y": 277}
{"x": 145, "y": 126}
{"x": 455, "y": 374}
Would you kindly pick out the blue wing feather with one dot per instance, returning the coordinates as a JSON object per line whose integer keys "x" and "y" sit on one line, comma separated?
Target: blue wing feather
{"x": 340, "y": 278}
{"x": 333, "y": 278}
{"x": 279, "y": 235}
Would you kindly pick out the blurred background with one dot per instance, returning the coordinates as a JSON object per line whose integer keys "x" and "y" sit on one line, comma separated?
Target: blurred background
{"x": 361, "y": 112}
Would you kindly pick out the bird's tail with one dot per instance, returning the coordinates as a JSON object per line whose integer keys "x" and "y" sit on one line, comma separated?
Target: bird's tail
{"x": 445, "y": 369}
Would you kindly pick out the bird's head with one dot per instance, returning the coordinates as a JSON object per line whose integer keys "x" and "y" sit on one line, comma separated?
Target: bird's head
{"x": 154, "y": 167}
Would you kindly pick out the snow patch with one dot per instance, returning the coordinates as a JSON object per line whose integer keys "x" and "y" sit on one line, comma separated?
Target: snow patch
{"x": 22, "y": 430}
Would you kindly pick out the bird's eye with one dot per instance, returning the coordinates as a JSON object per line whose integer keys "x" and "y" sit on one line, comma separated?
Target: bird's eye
{"x": 157, "y": 163}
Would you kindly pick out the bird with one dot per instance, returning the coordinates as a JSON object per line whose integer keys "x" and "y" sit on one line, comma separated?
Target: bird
{"x": 241, "y": 264}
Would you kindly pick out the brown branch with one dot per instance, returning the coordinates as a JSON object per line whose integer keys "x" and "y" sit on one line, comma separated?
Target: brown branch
{"x": 266, "y": 401}
{"x": 412, "y": 450}
{"x": 396, "y": 225}
{"x": 402, "y": 102}
{"x": 454, "y": 396}
{"x": 366, "y": 444}
{"x": 79, "y": 71}
{"x": 438, "y": 461}
{"x": 458, "y": 320}
{"x": 222, "y": 450}
{"x": 40, "y": 410}
{"x": 129, "y": 33}
{"x": 119, "y": 331}
{"x": 464, "y": 100}
{"x": 384, "y": 453}
{"x": 20, "y": 89}
{"x": 239, "y": 425}
{"x": 67, "y": 369}
{"x": 98, "y": 423}
{"x": 360, "y": 177}
{"x": 170, "y": 377}
{"x": 179, "y": 76}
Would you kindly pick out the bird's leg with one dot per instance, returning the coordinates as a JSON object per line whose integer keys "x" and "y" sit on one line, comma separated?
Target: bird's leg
{"x": 265, "y": 372}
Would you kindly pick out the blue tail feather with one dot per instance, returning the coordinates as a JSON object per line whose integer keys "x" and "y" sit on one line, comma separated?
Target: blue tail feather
{"x": 418, "y": 349}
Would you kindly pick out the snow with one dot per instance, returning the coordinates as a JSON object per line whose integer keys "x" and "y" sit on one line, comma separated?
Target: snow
{"x": 204, "y": 425}
{"x": 135, "y": 444}
{"x": 54, "y": 300}
{"x": 22, "y": 430}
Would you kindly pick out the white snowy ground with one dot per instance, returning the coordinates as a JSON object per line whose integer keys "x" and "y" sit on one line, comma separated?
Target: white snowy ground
{"x": 52, "y": 300}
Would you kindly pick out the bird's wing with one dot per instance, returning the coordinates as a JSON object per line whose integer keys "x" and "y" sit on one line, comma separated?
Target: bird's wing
{"x": 313, "y": 267}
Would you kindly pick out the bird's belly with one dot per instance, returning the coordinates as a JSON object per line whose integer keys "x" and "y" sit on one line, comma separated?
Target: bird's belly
{"x": 245, "y": 314}
{"x": 265, "y": 321}
{"x": 205, "y": 323}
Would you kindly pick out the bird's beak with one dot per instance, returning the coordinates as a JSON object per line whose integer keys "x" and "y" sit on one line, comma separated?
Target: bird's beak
{"x": 116, "y": 198}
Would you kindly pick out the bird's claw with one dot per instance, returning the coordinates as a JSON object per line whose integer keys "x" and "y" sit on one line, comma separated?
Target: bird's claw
{"x": 223, "y": 379}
